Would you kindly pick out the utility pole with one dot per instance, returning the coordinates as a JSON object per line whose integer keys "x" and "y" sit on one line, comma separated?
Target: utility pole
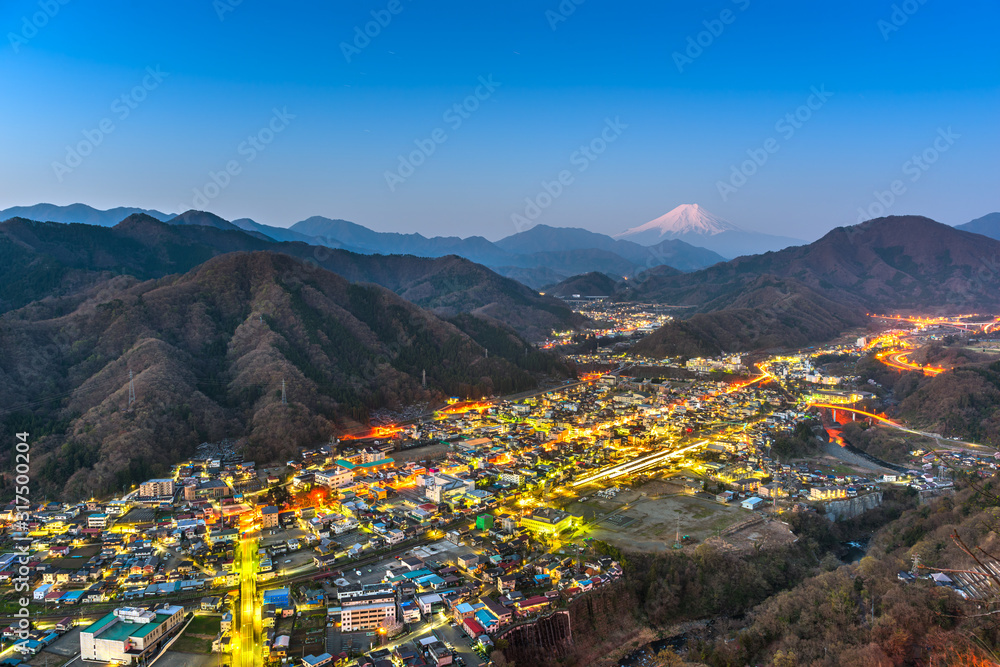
{"x": 424, "y": 381}
{"x": 131, "y": 390}
{"x": 284, "y": 398}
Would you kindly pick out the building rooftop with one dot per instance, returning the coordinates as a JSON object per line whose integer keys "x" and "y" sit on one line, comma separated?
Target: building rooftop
{"x": 123, "y": 630}
{"x": 548, "y": 515}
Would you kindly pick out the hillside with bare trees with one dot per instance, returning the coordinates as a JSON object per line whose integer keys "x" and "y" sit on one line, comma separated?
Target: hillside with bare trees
{"x": 209, "y": 350}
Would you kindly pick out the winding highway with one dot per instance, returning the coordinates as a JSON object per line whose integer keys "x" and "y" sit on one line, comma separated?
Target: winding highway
{"x": 898, "y": 359}
{"x": 955, "y": 444}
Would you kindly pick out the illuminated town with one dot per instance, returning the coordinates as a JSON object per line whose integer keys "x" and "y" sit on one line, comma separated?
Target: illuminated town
{"x": 425, "y": 542}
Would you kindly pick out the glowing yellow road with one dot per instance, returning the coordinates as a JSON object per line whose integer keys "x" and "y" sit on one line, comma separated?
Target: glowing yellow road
{"x": 248, "y": 651}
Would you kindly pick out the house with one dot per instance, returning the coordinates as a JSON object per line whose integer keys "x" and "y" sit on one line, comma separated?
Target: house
{"x": 472, "y": 628}
{"x": 941, "y": 579}
{"x": 211, "y": 604}
{"x": 507, "y": 582}
{"x": 532, "y": 604}
{"x": 222, "y": 643}
{"x": 469, "y": 561}
{"x": 504, "y": 615}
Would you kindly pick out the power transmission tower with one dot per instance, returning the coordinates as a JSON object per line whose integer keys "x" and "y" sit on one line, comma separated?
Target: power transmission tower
{"x": 131, "y": 390}
{"x": 284, "y": 398}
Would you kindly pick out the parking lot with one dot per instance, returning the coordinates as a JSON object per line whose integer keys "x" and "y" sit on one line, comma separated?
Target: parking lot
{"x": 60, "y": 651}
{"x": 174, "y": 659}
{"x": 457, "y": 638}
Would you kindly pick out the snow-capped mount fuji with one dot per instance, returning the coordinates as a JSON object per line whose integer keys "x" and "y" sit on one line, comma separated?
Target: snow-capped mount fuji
{"x": 693, "y": 224}
{"x": 685, "y": 219}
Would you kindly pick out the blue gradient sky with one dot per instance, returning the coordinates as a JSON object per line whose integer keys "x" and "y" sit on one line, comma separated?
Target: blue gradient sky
{"x": 686, "y": 129}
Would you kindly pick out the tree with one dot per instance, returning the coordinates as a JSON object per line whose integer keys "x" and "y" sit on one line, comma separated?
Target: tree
{"x": 668, "y": 658}
{"x": 390, "y": 627}
{"x": 783, "y": 659}
{"x": 499, "y": 660}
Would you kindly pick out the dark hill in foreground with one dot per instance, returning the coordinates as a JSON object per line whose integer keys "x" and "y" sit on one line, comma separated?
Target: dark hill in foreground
{"x": 39, "y": 260}
{"x": 209, "y": 350}
{"x": 587, "y": 284}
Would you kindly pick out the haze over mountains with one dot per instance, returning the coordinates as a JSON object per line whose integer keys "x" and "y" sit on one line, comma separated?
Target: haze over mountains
{"x": 988, "y": 225}
{"x": 687, "y": 238}
{"x": 694, "y": 225}
{"x": 81, "y": 213}
{"x": 819, "y": 288}
{"x": 537, "y": 257}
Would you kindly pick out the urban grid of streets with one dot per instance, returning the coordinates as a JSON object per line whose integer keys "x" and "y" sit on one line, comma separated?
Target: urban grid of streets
{"x": 664, "y": 443}
{"x": 895, "y": 344}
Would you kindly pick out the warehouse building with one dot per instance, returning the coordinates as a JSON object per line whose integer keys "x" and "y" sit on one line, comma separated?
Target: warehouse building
{"x": 129, "y": 635}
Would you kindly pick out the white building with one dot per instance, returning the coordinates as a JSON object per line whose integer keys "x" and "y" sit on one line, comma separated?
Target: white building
{"x": 334, "y": 477}
{"x": 129, "y": 635}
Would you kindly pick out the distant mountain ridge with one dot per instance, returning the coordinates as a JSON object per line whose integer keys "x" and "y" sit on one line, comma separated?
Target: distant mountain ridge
{"x": 537, "y": 257}
{"x": 81, "y": 213}
{"x": 534, "y": 256}
{"x": 988, "y": 225}
{"x": 543, "y": 238}
{"x": 59, "y": 262}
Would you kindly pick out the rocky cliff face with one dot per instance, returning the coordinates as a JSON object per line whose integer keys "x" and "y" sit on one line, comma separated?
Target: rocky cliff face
{"x": 838, "y": 510}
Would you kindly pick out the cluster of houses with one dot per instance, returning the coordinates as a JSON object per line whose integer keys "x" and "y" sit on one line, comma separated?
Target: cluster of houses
{"x": 28, "y": 640}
